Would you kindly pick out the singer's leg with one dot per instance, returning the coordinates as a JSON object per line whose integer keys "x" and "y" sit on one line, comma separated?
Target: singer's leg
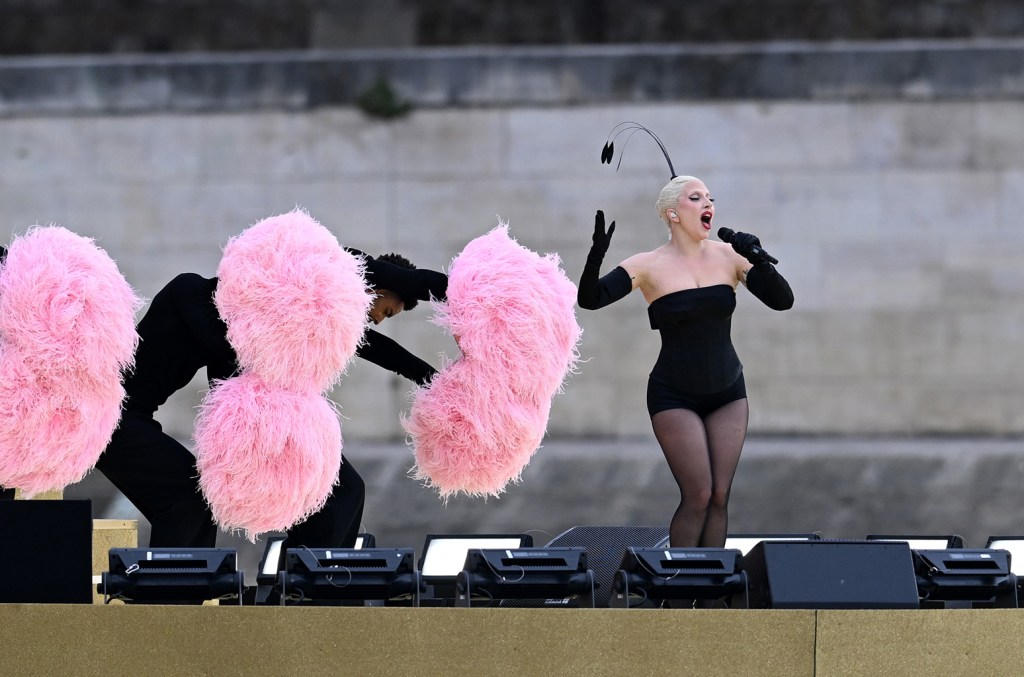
{"x": 680, "y": 432}
{"x": 726, "y": 430}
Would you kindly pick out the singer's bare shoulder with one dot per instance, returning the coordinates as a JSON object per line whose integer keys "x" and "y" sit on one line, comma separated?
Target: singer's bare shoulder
{"x": 638, "y": 265}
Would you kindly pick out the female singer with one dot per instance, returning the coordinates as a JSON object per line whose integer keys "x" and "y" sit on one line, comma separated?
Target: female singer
{"x": 695, "y": 394}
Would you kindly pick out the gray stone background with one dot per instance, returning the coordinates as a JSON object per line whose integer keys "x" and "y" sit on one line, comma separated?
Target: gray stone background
{"x": 876, "y": 148}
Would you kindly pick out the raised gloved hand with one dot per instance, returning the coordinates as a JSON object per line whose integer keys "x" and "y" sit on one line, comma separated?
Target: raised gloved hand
{"x": 601, "y": 238}
{"x": 594, "y": 293}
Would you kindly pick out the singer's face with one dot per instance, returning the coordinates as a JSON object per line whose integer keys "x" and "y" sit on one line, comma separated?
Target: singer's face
{"x": 696, "y": 209}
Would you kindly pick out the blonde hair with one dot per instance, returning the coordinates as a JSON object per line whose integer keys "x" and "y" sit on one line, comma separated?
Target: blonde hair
{"x": 669, "y": 196}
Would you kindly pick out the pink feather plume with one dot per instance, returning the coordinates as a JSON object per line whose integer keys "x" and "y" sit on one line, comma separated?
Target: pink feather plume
{"x": 477, "y": 424}
{"x": 294, "y": 301}
{"x": 269, "y": 456}
{"x": 268, "y": 443}
{"x": 67, "y": 332}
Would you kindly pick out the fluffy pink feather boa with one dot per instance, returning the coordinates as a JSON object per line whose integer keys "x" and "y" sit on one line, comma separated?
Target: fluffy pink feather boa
{"x": 67, "y": 332}
{"x": 482, "y": 417}
{"x": 268, "y": 443}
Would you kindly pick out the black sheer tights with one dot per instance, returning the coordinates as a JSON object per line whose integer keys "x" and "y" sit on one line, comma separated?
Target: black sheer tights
{"x": 702, "y": 454}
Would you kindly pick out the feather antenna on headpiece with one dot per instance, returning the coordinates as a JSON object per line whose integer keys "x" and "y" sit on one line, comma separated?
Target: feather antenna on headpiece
{"x": 632, "y": 128}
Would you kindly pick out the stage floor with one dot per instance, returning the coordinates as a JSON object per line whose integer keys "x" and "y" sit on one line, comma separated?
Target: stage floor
{"x": 225, "y": 640}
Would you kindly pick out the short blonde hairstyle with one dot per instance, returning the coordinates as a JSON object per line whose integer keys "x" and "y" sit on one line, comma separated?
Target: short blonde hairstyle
{"x": 669, "y": 196}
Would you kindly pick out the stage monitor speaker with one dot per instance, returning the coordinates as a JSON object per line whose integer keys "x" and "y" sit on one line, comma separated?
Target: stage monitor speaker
{"x": 365, "y": 575}
{"x": 47, "y": 552}
{"x": 444, "y": 557}
{"x": 605, "y": 546}
{"x": 965, "y": 578}
{"x": 172, "y": 575}
{"x": 678, "y": 574}
{"x": 272, "y": 561}
{"x": 831, "y": 575}
{"x": 526, "y": 573}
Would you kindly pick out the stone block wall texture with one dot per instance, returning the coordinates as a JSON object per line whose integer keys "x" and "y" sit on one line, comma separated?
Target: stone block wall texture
{"x": 887, "y": 178}
{"x": 897, "y": 223}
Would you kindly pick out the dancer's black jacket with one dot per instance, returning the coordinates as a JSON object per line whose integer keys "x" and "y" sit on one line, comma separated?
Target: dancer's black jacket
{"x": 180, "y": 334}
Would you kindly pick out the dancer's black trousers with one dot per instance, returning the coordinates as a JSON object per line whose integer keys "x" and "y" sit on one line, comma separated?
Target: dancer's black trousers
{"x": 158, "y": 475}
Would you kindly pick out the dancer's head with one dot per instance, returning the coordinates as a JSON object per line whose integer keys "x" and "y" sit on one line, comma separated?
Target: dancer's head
{"x": 387, "y": 302}
{"x": 399, "y": 285}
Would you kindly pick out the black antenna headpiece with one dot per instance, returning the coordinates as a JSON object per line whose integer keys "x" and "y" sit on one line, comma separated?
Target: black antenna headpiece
{"x": 631, "y": 128}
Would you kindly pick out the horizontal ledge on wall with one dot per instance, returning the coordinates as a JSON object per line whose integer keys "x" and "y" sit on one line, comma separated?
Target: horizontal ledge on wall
{"x": 929, "y": 70}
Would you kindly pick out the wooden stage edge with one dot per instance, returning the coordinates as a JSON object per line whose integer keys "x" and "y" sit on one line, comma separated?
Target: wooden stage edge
{"x": 111, "y": 640}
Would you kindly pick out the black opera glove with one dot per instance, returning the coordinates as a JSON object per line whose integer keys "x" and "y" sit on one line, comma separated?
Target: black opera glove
{"x": 432, "y": 284}
{"x": 385, "y": 352}
{"x": 601, "y": 238}
{"x": 426, "y": 376}
{"x": 765, "y": 282}
{"x": 748, "y": 246}
{"x": 594, "y": 293}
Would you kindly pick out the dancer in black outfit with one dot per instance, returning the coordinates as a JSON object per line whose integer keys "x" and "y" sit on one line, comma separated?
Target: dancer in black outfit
{"x": 181, "y": 333}
{"x": 695, "y": 394}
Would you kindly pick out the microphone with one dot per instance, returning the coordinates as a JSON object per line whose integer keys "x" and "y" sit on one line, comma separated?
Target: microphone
{"x": 726, "y": 235}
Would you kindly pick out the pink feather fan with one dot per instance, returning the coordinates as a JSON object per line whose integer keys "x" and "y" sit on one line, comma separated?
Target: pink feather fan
{"x": 268, "y": 443}
{"x": 67, "y": 332}
{"x": 477, "y": 424}
{"x": 294, "y": 301}
{"x": 268, "y": 457}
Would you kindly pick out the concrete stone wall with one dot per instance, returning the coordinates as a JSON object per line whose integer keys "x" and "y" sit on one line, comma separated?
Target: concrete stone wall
{"x": 513, "y": 77}
{"x": 898, "y": 224}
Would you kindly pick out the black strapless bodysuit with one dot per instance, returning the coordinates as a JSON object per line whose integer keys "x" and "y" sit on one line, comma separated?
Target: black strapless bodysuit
{"x": 697, "y": 368}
